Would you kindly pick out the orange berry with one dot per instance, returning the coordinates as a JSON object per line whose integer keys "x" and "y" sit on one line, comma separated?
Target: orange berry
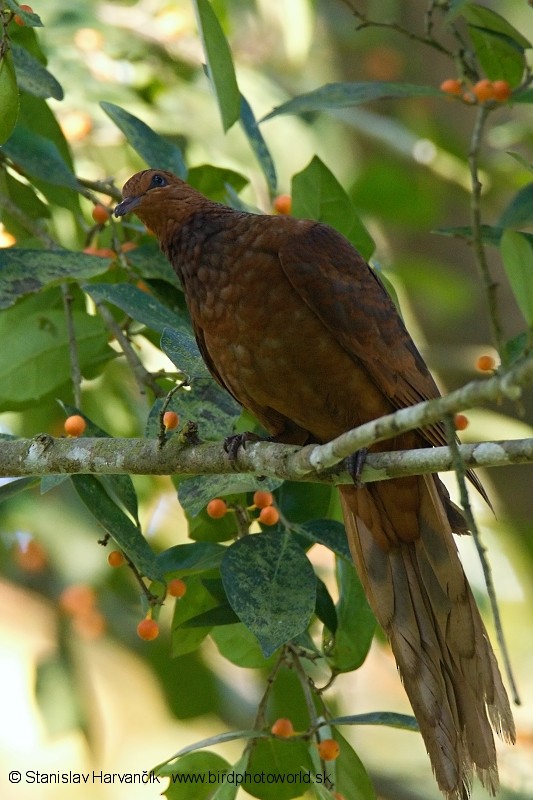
{"x": 74, "y": 425}
{"x": 460, "y": 422}
{"x": 483, "y": 90}
{"x": 282, "y": 727}
{"x": 338, "y": 796}
{"x": 18, "y": 19}
{"x": 143, "y": 286}
{"x": 283, "y": 204}
{"x": 502, "y": 91}
{"x": 269, "y": 515}
{"x": 90, "y": 625}
{"x": 485, "y": 363}
{"x": 451, "y": 86}
{"x": 102, "y": 252}
{"x": 100, "y": 213}
{"x": 170, "y": 420}
{"x": 148, "y": 629}
{"x": 176, "y": 587}
{"x": 263, "y": 499}
{"x": 127, "y": 246}
{"x": 77, "y": 599}
{"x": 328, "y": 749}
{"x": 217, "y": 508}
{"x": 116, "y": 558}
{"x": 31, "y": 557}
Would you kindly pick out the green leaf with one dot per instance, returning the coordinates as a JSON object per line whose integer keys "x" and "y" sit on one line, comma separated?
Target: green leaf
{"x": 197, "y": 601}
{"x": 22, "y": 195}
{"x": 211, "y": 407}
{"x": 219, "y": 616}
{"x": 196, "y": 492}
{"x": 150, "y": 262}
{"x": 270, "y": 585}
{"x": 195, "y": 776}
{"x": 325, "y": 607}
{"x": 39, "y": 157}
{"x": 229, "y": 791}
{"x": 24, "y": 272}
{"x": 214, "y": 181}
{"x": 279, "y": 759}
{"x": 351, "y": 777}
{"x": 49, "y": 482}
{"x": 517, "y": 255}
{"x": 241, "y": 647}
{"x": 33, "y": 77}
{"x": 137, "y": 304}
{"x": 219, "y": 63}
{"x": 183, "y": 351}
{"x": 499, "y": 56}
{"x": 490, "y": 234}
{"x": 259, "y": 146}
{"x": 119, "y": 526}
{"x": 498, "y": 45}
{"x": 119, "y": 486}
{"x": 317, "y": 194}
{"x": 30, "y": 18}
{"x": 300, "y": 502}
{"x": 347, "y": 648}
{"x": 156, "y": 151}
{"x": 487, "y": 18}
{"x": 515, "y": 349}
{"x": 229, "y": 736}
{"x": 190, "y": 559}
{"x": 34, "y": 357}
{"x": 9, "y": 97}
{"x": 520, "y": 210}
{"x": 11, "y": 488}
{"x": 330, "y": 533}
{"x": 343, "y": 95}
{"x": 390, "y": 719}
{"x": 204, "y": 529}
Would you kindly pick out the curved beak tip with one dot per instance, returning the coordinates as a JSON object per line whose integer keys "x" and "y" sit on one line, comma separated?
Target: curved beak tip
{"x": 127, "y": 205}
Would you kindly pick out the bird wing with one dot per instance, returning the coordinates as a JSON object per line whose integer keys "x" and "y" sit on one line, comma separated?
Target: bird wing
{"x": 347, "y": 296}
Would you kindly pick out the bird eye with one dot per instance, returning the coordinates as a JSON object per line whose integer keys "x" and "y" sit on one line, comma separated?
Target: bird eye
{"x": 158, "y": 181}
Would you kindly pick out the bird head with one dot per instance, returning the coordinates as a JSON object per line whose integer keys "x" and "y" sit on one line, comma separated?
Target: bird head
{"x": 151, "y": 194}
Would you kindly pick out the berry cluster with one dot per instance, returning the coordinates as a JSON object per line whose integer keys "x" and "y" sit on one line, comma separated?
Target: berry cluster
{"x": 481, "y": 92}
{"x": 262, "y": 501}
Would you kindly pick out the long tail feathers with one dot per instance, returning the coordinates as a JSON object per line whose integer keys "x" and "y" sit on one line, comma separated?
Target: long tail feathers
{"x": 420, "y": 596}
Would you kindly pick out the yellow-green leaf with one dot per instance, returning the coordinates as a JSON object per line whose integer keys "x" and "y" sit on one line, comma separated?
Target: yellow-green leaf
{"x": 9, "y": 97}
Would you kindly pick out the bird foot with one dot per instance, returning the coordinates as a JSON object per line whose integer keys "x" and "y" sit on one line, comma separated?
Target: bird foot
{"x": 233, "y": 443}
{"x": 354, "y": 465}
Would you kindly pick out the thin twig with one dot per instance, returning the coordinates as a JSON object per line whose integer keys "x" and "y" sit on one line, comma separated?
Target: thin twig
{"x": 143, "y": 377}
{"x": 460, "y": 472}
{"x": 161, "y": 437}
{"x": 306, "y": 684}
{"x": 426, "y": 39}
{"x": 477, "y": 234}
{"x": 75, "y": 370}
{"x": 103, "y": 187}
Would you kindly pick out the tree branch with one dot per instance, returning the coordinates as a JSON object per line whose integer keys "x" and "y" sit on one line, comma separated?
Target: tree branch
{"x": 46, "y": 455}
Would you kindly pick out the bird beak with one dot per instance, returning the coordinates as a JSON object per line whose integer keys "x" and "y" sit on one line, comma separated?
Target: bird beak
{"x": 127, "y": 205}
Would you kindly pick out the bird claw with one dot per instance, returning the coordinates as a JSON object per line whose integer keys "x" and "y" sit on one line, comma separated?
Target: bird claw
{"x": 354, "y": 465}
{"x": 233, "y": 443}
